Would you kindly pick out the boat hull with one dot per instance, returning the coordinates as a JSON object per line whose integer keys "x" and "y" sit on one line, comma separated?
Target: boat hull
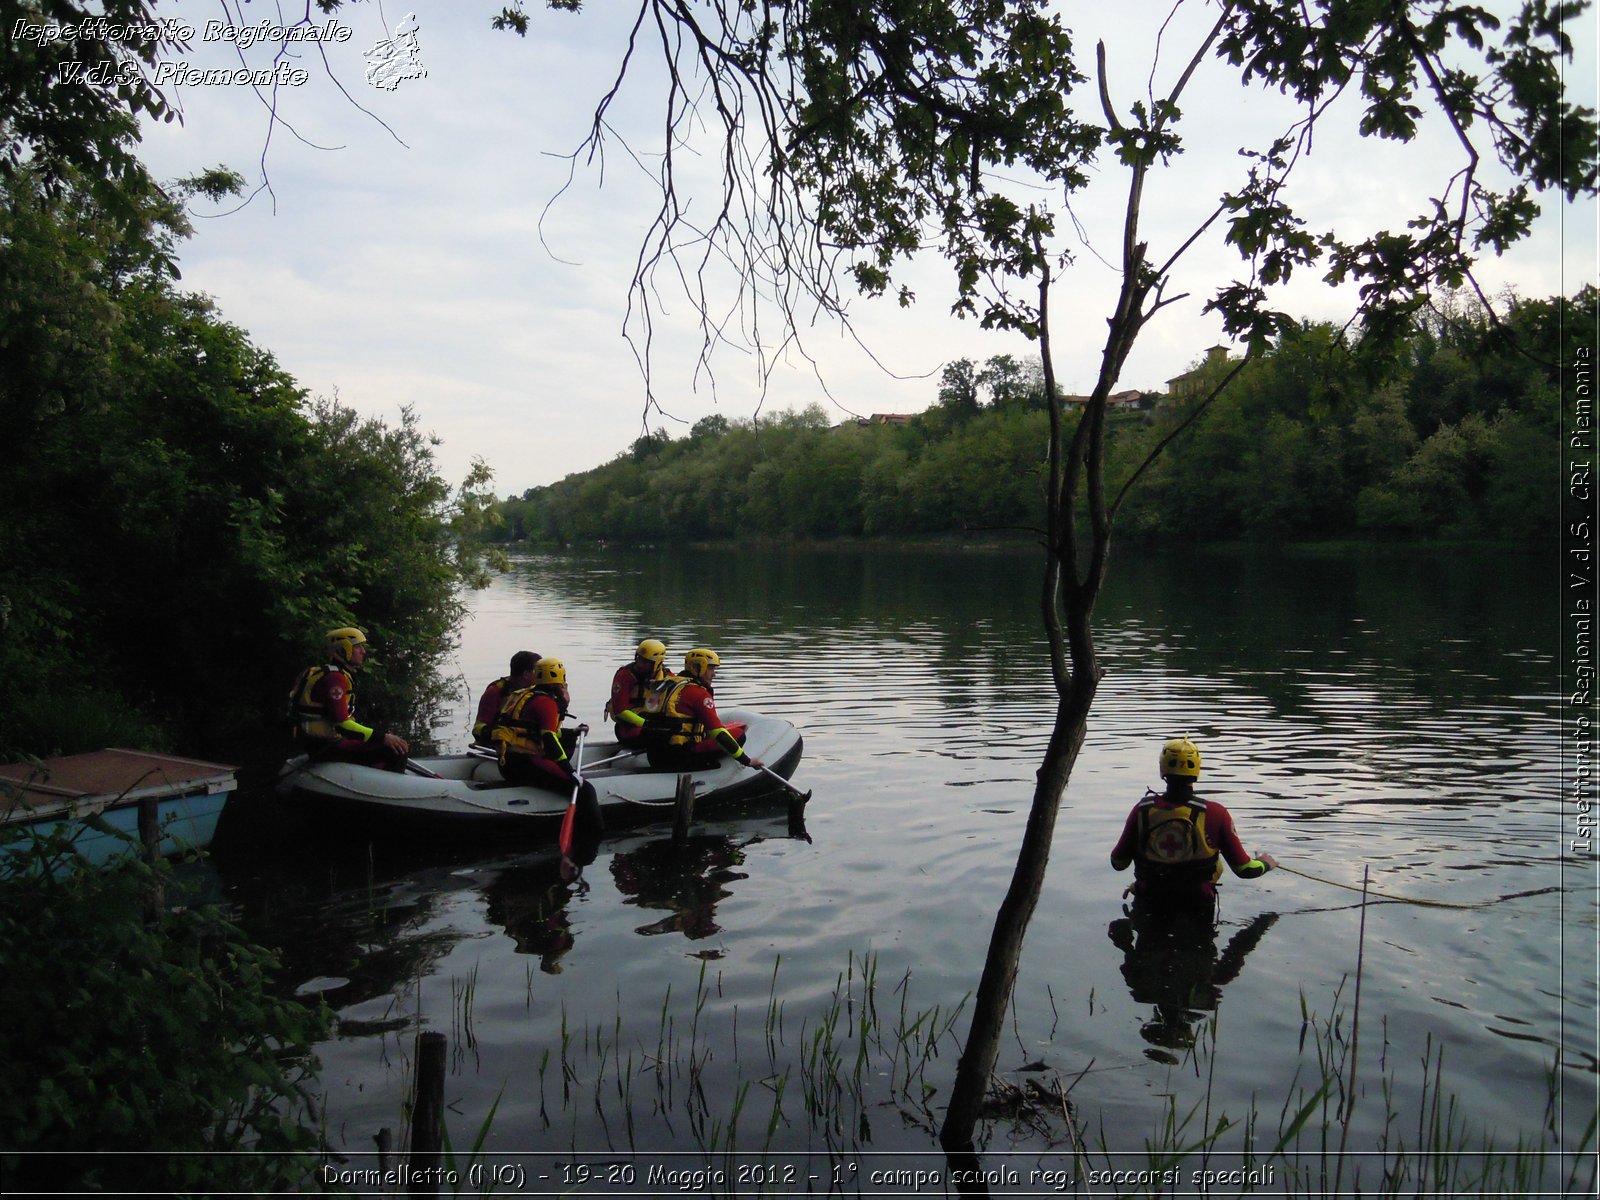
{"x": 186, "y": 823}
{"x": 184, "y": 796}
{"x": 471, "y": 799}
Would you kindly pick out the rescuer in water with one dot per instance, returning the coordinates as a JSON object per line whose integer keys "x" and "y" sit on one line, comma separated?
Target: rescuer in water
{"x": 1177, "y": 842}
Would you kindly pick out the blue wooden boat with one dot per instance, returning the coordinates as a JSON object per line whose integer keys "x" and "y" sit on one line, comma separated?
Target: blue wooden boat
{"x": 181, "y": 799}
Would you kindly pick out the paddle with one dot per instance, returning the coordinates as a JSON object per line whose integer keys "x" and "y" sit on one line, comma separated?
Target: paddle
{"x": 613, "y": 758}
{"x": 766, "y": 770}
{"x": 417, "y": 768}
{"x": 569, "y": 819}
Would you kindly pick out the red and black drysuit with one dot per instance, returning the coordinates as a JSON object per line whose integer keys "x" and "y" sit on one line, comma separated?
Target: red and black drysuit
{"x": 684, "y": 730}
{"x": 324, "y": 703}
{"x": 1177, "y": 847}
{"x": 529, "y": 735}
{"x": 629, "y": 688}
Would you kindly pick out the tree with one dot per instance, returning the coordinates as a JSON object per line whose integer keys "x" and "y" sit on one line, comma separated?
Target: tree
{"x": 958, "y": 387}
{"x": 1010, "y": 384}
{"x": 155, "y": 443}
{"x": 856, "y": 132}
{"x": 83, "y": 128}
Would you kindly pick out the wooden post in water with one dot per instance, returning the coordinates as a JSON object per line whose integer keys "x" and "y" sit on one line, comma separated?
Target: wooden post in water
{"x": 427, "y": 1117}
{"x": 682, "y": 808}
{"x": 150, "y": 839}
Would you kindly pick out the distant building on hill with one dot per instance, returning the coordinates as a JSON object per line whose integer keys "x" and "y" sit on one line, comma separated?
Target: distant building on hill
{"x": 1132, "y": 400}
{"x": 879, "y": 419}
{"x": 1190, "y": 383}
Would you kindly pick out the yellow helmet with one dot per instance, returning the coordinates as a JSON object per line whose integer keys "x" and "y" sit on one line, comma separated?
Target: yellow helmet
{"x": 651, "y": 649}
{"x": 1180, "y": 758}
{"x": 549, "y": 670}
{"x": 341, "y": 643}
{"x": 697, "y": 660}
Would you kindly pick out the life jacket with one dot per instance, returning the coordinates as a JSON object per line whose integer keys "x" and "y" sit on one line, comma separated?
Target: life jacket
{"x": 665, "y": 720}
{"x": 305, "y": 714}
{"x": 481, "y": 730}
{"x": 638, "y": 690}
{"x": 1172, "y": 849}
{"x": 515, "y": 730}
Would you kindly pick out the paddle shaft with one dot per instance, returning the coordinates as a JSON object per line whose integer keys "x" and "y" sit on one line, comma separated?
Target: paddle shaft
{"x": 625, "y": 754}
{"x": 569, "y": 818}
{"x": 766, "y": 770}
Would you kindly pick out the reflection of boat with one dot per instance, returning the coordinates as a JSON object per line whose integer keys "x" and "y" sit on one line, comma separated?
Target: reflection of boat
{"x": 183, "y": 796}
{"x": 468, "y": 796}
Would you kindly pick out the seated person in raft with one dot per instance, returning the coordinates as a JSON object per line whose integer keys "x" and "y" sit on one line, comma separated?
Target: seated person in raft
{"x": 494, "y": 696}
{"x": 322, "y": 706}
{"x": 629, "y": 688}
{"x": 682, "y": 728}
{"x": 533, "y": 746}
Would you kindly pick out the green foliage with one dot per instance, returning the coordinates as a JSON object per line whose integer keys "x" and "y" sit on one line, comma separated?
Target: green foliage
{"x": 59, "y": 129}
{"x": 182, "y": 523}
{"x": 127, "y": 1031}
{"x": 1459, "y": 443}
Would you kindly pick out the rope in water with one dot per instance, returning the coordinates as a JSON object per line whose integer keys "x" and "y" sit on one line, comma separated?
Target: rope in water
{"x": 1389, "y": 895}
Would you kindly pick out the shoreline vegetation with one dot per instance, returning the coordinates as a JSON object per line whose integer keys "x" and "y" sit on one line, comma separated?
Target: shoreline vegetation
{"x": 176, "y": 503}
{"x": 983, "y": 543}
{"x": 1452, "y": 439}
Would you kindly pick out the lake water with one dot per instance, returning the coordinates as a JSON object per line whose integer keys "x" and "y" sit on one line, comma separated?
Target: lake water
{"x": 1390, "y": 713}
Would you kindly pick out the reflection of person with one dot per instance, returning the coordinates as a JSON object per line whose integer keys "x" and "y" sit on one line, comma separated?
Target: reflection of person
{"x": 323, "y": 702}
{"x": 1171, "y": 962}
{"x": 686, "y": 879}
{"x": 682, "y": 727}
{"x": 531, "y": 904}
{"x": 494, "y": 696}
{"x": 1177, "y": 842}
{"x": 629, "y": 687}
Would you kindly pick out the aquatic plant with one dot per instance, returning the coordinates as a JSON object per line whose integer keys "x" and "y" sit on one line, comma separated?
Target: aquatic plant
{"x": 817, "y": 1086}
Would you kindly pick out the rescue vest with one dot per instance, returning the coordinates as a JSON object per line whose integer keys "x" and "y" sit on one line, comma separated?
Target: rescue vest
{"x": 665, "y": 719}
{"x": 1172, "y": 847}
{"x": 307, "y": 716}
{"x": 516, "y": 731}
{"x": 638, "y": 690}
{"x": 481, "y": 729}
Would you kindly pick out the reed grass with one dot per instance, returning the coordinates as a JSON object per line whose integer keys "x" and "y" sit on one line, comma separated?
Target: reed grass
{"x": 823, "y": 1083}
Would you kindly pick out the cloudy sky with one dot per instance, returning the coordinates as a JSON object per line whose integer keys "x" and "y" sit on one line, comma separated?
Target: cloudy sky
{"x": 416, "y": 246}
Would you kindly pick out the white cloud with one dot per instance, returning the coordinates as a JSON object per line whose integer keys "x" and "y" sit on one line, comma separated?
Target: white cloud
{"x": 416, "y": 274}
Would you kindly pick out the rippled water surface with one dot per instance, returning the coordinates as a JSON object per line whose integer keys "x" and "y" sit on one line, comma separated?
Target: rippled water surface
{"x": 1394, "y": 714}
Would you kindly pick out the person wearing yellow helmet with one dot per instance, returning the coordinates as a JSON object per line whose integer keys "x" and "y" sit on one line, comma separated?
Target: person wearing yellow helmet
{"x": 533, "y": 746}
{"x": 1176, "y": 842}
{"x": 631, "y": 684}
{"x": 682, "y": 727}
{"x": 323, "y": 708}
{"x": 494, "y": 696}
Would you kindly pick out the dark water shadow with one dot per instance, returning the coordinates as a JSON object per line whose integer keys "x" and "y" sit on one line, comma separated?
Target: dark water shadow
{"x": 1171, "y": 962}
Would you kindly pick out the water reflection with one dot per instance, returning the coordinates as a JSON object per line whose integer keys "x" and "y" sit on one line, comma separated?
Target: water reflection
{"x": 531, "y": 903}
{"x": 683, "y": 879}
{"x": 1170, "y": 961}
{"x": 1353, "y": 709}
